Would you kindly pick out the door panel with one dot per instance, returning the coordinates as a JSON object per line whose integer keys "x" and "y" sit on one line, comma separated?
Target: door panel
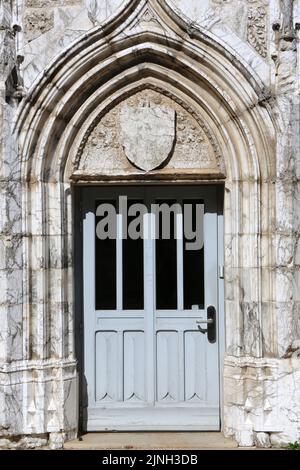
{"x": 148, "y": 363}
{"x": 107, "y": 375}
{"x": 134, "y": 366}
{"x": 168, "y": 366}
{"x": 195, "y": 367}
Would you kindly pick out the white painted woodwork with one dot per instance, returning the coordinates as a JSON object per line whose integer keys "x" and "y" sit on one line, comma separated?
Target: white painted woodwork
{"x": 150, "y": 369}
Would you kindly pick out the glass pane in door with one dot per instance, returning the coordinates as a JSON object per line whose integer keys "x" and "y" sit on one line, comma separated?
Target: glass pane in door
{"x": 105, "y": 263}
{"x": 193, "y": 254}
{"x": 166, "y": 260}
{"x": 133, "y": 265}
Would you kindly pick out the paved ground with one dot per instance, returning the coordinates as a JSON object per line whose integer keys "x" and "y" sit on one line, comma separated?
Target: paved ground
{"x": 152, "y": 441}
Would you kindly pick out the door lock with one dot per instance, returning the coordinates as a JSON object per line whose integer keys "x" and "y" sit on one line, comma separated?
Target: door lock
{"x": 211, "y": 324}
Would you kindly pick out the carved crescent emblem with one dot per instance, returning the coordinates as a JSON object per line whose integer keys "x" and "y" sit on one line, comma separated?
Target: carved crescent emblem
{"x": 147, "y": 135}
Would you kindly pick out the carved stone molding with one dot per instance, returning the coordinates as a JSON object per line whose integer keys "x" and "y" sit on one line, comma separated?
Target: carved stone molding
{"x": 287, "y": 26}
{"x": 38, "y": 22}
{"x": 285, "y": 58}
{"x": 257, "y": 27}
{"x": 9, "y": 61}
{"x": 220, "y": 2}
{"x": 147, "y": 134}
{"x": 148, "y": 20}
{"x": 191, "y": 147}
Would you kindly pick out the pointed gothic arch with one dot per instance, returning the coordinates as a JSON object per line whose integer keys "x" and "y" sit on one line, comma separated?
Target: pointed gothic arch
{"x": 98, "y": 71}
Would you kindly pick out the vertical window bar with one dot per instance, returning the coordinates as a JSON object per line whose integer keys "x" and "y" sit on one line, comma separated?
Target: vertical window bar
{"x": 149, "y": 273}
{"x": 119, "y": 262}
{"x": 179, "y": 237}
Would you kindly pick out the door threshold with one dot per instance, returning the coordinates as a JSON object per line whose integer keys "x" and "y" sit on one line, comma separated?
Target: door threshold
{"x": 152, "y": 441}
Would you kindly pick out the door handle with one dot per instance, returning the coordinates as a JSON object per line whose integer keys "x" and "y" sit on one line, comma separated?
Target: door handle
{"x": 211, "y": 329}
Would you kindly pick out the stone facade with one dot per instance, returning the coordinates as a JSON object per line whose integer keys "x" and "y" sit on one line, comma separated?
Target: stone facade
{"x": 69, "y": 70}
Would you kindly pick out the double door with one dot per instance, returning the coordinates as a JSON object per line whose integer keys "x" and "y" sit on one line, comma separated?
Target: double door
{"x": 150, "y": 316}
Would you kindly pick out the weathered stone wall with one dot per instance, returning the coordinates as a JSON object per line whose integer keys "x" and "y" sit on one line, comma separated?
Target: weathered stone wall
{"x": 230, "y": 70}
{"x": 51, "y": 26}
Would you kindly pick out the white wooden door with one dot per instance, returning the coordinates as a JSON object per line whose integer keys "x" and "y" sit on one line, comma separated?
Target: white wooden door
{"x": 150, "y": 351}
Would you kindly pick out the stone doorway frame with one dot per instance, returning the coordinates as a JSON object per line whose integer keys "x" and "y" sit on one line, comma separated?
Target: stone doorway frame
{"x": 78, "y": 283}
{"x": 53, "y": 120}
